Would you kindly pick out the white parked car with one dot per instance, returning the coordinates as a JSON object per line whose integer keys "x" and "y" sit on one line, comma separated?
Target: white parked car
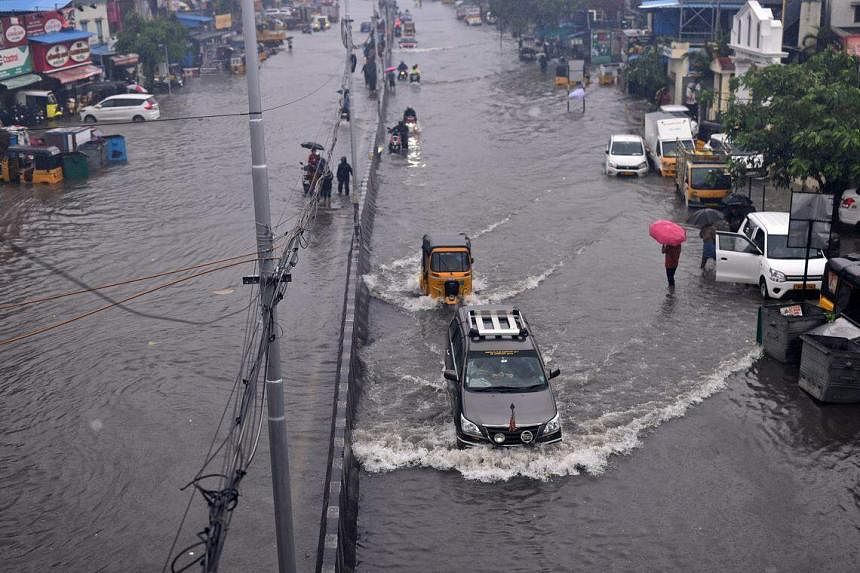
{"x": 849, "y": 208}
{"x": 625, "y": 155}
{"x": 124, "y": 107}
{"x": 719, "y": 142}
{"x": 759, "y": 254}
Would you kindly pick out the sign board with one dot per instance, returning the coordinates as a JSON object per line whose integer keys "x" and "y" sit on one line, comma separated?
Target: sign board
{"x": 577, "y": 70}
{"x": 79, "y": 51}
{"x": 12, "y": 32}
{"x": 601, "y": 46}
{"x": 38, "y": 23}
{"x": 809, "y": 220}
{"x": 15, "y": 62}
{"x": 52, "y": 57}
{"x": 223, "y": 21}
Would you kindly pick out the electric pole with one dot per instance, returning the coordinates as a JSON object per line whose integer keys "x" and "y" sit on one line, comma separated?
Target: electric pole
{"x": 278, "y": 448}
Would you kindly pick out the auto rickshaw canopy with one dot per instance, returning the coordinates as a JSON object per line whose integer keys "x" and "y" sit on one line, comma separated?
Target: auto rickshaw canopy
{"x": 445, "y": 240}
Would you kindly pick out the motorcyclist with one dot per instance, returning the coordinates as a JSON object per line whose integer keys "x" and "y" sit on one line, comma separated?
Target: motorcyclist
{"x": 410, "y": 112}
{"x": 402, "y": 130}
{"x": 415, "y": 74}
{"x": 402, "y": 67}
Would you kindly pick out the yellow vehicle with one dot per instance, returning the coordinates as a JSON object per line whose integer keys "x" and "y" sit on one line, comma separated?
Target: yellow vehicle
{"x": 701, "y": 177}
{"x": 446, "y": 267}
{"x": 26, "y": 164}
{"x": 840, "y": 289}
{"x": 42, "y": 100}
{"x": 270, "y": 37}
{"x": 237, "y": 64}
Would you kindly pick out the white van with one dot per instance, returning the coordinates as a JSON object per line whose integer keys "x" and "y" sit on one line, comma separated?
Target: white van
{"x": 759, "y": 254}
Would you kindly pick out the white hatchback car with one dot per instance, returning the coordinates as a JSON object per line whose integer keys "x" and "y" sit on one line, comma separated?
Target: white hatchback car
{"x": 625, "y": 155}
{"x": 123, "y": 107}
{"x": 759, "y": 254}
{"x": 849, "y": 208}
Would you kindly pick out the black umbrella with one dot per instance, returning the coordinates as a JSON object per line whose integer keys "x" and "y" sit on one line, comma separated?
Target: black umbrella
{"x": 312, "y": 145}
{"x": 704, "y": 217}
{"x": 737, "y": 200}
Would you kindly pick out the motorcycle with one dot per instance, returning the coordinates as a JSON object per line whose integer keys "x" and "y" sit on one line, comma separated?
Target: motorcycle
{"x": 402, "y": 75}
{"x": 414, "y": 78}
{"x": 395, "y": 144}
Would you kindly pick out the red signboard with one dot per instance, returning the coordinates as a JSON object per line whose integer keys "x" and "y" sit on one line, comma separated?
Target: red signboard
{"x": 45, "y": 22}
{"x": 12, "y": 32}
{"x": 53, "y": 57}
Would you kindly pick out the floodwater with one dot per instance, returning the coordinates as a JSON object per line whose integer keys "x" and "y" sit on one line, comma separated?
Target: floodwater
{"x": 684, "y": 448}
{"x": 103, "y": 420}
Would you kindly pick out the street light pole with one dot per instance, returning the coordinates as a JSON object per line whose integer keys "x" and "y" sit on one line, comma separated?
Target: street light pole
{"x": 167, "y": 68}
{"x": 278, "y": 447}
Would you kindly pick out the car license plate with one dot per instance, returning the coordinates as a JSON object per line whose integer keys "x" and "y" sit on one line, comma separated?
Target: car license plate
{"x": 809, "y": 285}
{"x": 627, "y": 173}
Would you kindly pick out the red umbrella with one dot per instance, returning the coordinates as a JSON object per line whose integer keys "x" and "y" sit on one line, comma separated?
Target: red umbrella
{"x": 667, "y": 232}
{"x": 391, "y": 69}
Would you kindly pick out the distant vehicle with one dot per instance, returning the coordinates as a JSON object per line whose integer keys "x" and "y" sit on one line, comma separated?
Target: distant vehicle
{"x": 720, "y": 142}
{"x": 366, "y": 27}
{"x": 849, "y": 208}
{"x": 759, "y": 254}
{"x": 126, "y": 107}
{"x": 681, "y": 111}
{"x": 499, "y": 384}
{"x": 702, "y": 177}
{"x": 840, "y": 290}
{"x": 473, "y": 20}
{"x": 408, "y": 29}
{"x": 625, "y": 155}
{"x": 664, "y": 133}
{"x": 446, "y": 267}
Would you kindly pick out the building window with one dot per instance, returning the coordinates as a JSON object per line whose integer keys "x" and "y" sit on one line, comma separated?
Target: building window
{"x": 758, "y": 35}
{"x": 740, "y": 25}
{"x": 749, "y": 30}
{"x": 857, "y": 14}
{"x": 84, "y": 24}
{"x": 99, "y": 30}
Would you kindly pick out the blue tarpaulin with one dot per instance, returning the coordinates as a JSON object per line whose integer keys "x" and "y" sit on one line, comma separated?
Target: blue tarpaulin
{"x": 194, "y": 20}
{"x": 57, "y": 37}
{"x": 32, "y": 5}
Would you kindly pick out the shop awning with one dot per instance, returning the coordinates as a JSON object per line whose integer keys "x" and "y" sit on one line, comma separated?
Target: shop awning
{"x": 57, "y": 37}
{"x": 20, "y": 81}
{"x": 125, "y": 59}
{"x": 75, "y": 74}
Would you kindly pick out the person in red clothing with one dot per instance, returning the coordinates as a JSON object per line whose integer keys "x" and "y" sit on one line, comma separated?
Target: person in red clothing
{"x": 673, "y": 254}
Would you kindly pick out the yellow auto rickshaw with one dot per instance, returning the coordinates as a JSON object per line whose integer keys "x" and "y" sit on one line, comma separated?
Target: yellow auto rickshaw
{"x": 26, "y": 164}
{"x": 42, "y": 100}
{"x": 237, "y": 64}
{"x": 446, "y": 267}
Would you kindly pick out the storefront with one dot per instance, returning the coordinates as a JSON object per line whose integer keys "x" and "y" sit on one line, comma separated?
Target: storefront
{"x": 16, "y": 64}
{"x": 65, "y": 60}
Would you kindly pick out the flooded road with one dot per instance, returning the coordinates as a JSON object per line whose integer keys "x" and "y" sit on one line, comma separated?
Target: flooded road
{"x": 106, "y": 418}
{"x": 683, "y": 448}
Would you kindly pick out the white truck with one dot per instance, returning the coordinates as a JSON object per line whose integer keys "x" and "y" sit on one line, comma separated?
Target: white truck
{"x": 663, "y": 134}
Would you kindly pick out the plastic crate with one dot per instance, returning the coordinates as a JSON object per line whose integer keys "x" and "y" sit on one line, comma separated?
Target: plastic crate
{"x": 830, "y": 368}
{"x": 781, "y": 333}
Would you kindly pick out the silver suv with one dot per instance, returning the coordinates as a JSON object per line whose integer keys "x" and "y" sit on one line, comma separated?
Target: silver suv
{"x": 497, "y": 379}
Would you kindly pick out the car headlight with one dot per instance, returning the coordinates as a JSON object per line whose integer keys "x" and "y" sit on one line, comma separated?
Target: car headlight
{"x": 643, "y": 165}
{"x": 611, "y": 164}
{"x": 469, "y": 427}
{"x": 553, "y": 425}
{"x": 777, "y": 276}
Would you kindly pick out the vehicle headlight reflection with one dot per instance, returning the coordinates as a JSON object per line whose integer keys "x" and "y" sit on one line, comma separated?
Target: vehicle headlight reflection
{"x": 777, "y": 276}
{"x": 553, "y": 425}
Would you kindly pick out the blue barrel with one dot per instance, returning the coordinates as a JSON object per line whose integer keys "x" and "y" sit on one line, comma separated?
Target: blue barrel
{"x": 115, "y": 149}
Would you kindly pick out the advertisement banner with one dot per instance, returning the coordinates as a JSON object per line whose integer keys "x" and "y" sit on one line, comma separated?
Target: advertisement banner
{"x": 15, "y": 61}
{"x": 53, "y": 57}
{"x": 601, "y": 47}
{"x": 12, "y": 32}
{"x": 223, "y": 21}
{"x": 45, "y": 22}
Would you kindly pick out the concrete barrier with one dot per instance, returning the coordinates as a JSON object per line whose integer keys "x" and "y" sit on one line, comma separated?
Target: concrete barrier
{"x": 338, "y": 527}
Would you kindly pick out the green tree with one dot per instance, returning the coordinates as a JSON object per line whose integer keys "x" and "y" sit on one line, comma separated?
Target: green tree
{"x": 148, "y": 39}
{"x": 804, "y": 119}
{"x": 646, "y": 74}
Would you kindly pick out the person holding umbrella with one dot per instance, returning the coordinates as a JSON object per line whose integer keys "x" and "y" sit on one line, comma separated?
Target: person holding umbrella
{"x": 706, "y": 218}
{"x": 670, "y": 235}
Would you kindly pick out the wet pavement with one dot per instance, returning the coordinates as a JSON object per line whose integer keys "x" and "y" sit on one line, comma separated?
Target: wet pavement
{"x": 105, "y": 419}
{"x": 683, "y": 447}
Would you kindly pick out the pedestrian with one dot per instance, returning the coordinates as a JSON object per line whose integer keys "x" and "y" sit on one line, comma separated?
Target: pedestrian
{"x": 353, "y": 61}
{"x": 673, "y": 254}
{"x": 325, "y": 189}
{"x": 344, "y": 173}
{"x": 392, "y": 80}
{"x": 709, "y": 244}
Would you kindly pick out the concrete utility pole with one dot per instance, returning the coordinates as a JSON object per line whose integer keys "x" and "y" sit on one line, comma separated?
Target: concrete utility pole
{"x": 346, "y": 35}
{"x": 278, "y": 449}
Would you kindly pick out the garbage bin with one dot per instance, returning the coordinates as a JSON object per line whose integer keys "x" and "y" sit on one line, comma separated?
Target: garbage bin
{"x": 830, "y": 368}
{"x": 75, "y": 166}
{"x": 782, "y": 325}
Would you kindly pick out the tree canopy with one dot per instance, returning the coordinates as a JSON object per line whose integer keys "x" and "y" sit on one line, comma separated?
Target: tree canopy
{"x": 804, "y": 119}
{"x": 646, "y": 74}
{"x": 148, "y": 39}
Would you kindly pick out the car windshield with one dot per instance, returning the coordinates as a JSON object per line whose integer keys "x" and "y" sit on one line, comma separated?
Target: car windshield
{"x": 710, "y": 178}
{"x": 504, "y": 371}
{"x": 670, "y": 148}
{"x": 626, "y": 148}
{"x": 777, "y": 248}
{"x": 451, "y": 262}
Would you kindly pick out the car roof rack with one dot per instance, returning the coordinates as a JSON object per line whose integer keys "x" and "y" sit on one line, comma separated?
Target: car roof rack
{"x": 496, "y": 324}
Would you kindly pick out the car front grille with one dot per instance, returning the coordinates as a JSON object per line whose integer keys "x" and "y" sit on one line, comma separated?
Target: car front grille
{"x": 799, "y": 278}
{"x": 513, "y": 438}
